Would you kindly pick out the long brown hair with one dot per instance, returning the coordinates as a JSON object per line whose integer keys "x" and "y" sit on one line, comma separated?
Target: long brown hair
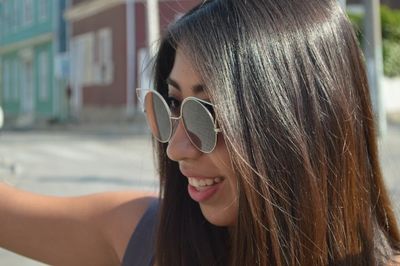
{"x": 290, "y": 91}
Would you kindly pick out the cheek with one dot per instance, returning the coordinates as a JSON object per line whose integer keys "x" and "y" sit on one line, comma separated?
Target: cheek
{"x": 222, "y": 159}
{"x": 228, "y": 205}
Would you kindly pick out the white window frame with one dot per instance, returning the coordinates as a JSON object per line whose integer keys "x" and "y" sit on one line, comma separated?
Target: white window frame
{"x": 43, "y": 10}
{"x": 5, "y": 17}
{"x": 6, "y": 80}
{"x": 2, "y": 20}
{"x": 27, "y": 12}
{"x": 43, "y": 60}
{"x": 16, "y": 81}
{"x": 96, "y": 58}
{"x": 88, "y": 44}
{"x": 104, "y": 64}
{"x": 14, "y": 16}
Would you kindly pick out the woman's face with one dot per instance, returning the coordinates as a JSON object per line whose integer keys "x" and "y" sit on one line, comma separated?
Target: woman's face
{"x": 211, "y": 181}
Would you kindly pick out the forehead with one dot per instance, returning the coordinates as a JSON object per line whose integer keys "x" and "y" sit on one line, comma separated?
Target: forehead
{"x": 183, "y": 76}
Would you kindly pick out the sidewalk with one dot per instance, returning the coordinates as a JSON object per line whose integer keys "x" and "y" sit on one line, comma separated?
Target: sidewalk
{"x": 389, "y": 148}
{"x": 136, "y": 126}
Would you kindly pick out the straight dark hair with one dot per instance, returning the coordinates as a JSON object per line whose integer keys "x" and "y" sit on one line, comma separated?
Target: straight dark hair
{"x": 290, "y": 91}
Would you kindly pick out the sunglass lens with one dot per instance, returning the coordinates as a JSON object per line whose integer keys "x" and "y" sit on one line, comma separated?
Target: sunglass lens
{"x": 157, "y": 116}
{"x": 199, "y": 125}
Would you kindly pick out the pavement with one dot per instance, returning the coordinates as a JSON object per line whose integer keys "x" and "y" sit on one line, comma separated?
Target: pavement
{"x": 77, "y": 159}
{"x": 389, "y": 153}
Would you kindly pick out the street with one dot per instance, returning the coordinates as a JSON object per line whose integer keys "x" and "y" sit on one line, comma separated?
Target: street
{"x": 81, "y": 161}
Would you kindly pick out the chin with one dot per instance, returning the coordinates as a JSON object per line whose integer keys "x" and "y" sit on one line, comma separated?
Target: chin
{"x": 220, "y": 216}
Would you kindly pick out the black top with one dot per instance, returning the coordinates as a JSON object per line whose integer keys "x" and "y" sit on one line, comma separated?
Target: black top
{"x": 140, "y": 250}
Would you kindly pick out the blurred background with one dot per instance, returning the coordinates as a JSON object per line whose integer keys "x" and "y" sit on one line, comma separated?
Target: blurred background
{"x": 68, "y": 73}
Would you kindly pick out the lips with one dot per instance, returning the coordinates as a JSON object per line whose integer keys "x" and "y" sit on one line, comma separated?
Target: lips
{"x": 202, "y": 188}
{"x": 204, "y": 194}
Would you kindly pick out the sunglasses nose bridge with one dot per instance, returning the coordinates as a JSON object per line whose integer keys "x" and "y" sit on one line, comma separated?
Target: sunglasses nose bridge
{"x": 174, "y": 124}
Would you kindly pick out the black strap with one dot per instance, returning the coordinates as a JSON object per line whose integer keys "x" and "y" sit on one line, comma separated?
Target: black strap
{"x": 140, "y": 250}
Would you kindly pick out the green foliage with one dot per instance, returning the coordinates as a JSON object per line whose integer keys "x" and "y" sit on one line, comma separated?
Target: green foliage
{"x": 391, "y": 58}
{"x": 357, "y": 21}
{"x": 390, "y": 20}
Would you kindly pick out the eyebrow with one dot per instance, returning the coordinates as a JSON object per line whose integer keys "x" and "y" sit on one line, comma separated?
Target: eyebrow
{"x": 197, "y": 89}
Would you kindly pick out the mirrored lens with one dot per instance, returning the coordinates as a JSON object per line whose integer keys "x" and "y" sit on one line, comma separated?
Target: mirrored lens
{"x": 199, "y": 125}
{"x": 157, "y": 116}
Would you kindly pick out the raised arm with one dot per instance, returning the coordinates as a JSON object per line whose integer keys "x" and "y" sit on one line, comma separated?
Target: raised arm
{"x": 88, "y": 230}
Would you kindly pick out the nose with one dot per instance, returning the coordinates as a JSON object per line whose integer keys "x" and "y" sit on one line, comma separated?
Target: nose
{"x": 179, "y": 147}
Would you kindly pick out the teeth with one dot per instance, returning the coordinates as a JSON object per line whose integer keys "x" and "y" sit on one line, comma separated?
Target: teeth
{"x": 194, "y": 182}
{"x": 200, "y": 183}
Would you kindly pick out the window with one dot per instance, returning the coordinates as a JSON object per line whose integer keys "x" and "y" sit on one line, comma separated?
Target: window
{"x": 2, "y": 20}
{"x": 5, "y": 16}
{"x": 87, "y": 43}
{"x": 94, "y": 55}
{"x": 16, "y": 80}
{"x": 104, "y": 58}
{"x": 14, "y": 16}
{"x": 6, "y": 80}
{"x": 43, "y": 9}
{"x": 27, "y": 12}
{"x": 43, "y": 76}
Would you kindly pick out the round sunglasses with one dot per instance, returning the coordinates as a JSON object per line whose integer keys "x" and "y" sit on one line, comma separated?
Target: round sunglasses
{"x": 199, "y": 124}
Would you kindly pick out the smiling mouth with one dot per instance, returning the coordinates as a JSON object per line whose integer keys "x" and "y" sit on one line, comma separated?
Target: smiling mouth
{"x": 204, "y": 183}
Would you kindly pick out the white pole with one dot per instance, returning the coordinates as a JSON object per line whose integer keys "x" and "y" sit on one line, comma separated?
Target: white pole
{"x": 131, "y": 57}
{"x": 374, "y": 58}
{"x": 153, "y": 26}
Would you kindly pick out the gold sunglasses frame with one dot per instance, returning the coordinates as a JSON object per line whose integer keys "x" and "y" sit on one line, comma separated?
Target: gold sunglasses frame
{"x": 173, "y": 120}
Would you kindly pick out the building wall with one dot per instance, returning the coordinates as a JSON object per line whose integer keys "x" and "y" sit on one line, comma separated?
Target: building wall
{"x": 170, "y": 10}
{"x": 90, "y": 93}
{"x": 75, "y": 2}
{"x": 62, "y": 26}
{"x": 16, "y": 26}
{"x": 27, "y": 51}
{"x": 114, "y": 18}
{"x": 10, "y": 82}
{"x": 113, "y": 92}
{"x": 43, "y": 73}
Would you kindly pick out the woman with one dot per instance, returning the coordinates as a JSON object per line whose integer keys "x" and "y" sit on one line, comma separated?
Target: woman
{"x": 267, "y": 152}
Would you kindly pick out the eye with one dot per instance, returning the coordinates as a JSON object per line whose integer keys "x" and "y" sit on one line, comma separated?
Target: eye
{"x": 174, "y": 105}
{"x": 210, "y": 108}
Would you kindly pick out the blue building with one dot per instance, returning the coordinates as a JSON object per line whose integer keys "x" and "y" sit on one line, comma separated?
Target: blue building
{"x": 33, "y": 65}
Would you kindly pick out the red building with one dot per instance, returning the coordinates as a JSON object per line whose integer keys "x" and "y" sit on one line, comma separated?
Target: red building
{"x": 108, "y": 48}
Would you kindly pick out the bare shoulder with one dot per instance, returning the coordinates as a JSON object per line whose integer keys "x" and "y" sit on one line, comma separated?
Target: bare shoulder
{"x": 394, "y": 262}
{"x": 116, "y": 214}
